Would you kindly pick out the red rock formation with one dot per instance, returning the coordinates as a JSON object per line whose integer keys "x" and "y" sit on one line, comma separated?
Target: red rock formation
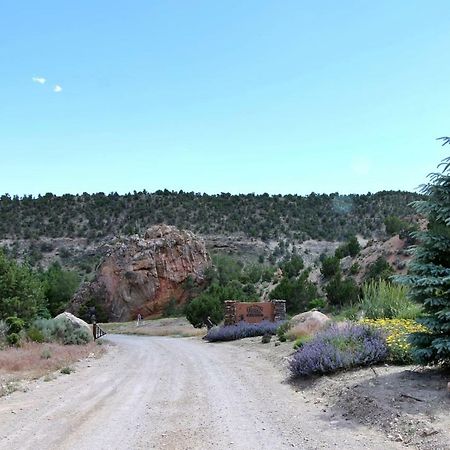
{"x": 140, "y": 275}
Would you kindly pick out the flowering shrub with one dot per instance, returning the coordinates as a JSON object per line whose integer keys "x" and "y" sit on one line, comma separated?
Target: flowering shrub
{"x": 397, "y": 332}
{"x": 242, "y": 330}
{"x": 339, "y": 347}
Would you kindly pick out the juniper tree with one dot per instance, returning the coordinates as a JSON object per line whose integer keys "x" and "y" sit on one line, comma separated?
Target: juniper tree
{"x": 429, "y": 271}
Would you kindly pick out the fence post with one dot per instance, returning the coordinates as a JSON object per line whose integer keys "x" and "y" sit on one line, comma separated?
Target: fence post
{"x": 279, "y": 310}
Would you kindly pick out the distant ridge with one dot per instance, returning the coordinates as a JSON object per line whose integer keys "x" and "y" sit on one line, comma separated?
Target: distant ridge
{"x": 94, "y": 216}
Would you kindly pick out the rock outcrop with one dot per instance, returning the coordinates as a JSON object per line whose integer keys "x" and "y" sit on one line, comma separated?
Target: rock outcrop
{"x": 141, "y": 275}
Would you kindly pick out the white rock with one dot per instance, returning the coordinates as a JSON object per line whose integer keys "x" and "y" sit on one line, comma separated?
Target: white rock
{"x": 76, "y": 321}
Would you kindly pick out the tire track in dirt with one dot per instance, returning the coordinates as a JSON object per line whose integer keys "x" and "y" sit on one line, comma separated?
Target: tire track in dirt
{"x": 178, "y": 394}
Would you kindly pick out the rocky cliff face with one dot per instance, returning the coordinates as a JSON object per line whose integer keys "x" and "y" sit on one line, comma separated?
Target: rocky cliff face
{"x": 140, "y": 275}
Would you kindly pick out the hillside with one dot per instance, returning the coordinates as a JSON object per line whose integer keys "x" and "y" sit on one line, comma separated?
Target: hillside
{"x": 266, "y": 217}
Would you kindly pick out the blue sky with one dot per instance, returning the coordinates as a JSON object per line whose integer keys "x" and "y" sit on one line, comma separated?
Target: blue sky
{"x": 230, "y": 96}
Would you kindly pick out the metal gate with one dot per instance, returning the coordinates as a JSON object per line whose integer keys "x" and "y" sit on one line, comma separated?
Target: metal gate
{"x": 97, "y": 331}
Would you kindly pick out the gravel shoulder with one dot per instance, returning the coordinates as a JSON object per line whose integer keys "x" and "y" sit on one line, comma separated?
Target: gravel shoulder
{"x": 407, "y": 404}
{"x": 161, "y": 392}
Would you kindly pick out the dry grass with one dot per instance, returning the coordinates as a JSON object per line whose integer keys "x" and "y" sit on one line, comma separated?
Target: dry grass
{"x": 177, "y": 327}
{"x": 34, "y": 360}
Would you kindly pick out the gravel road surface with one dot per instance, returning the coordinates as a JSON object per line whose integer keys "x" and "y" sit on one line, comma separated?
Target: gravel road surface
{"x": 168, "y": 393}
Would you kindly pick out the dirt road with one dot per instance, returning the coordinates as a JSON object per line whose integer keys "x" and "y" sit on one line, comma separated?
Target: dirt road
{"x": 166, "y": 393}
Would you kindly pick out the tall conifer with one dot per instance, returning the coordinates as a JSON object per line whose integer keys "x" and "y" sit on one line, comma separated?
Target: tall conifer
{"x": 429, "y": 271}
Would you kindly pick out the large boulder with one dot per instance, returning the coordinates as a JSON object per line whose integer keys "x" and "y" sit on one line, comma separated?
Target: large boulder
{"x": 307, "y": 324}
{"x": 142, "y": 274}
{"x": 76, "y": 322}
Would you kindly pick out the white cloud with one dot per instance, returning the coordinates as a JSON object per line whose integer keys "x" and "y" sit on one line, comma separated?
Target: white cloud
{"x": 40, "y": 80}
{"x": 57, "y": 88}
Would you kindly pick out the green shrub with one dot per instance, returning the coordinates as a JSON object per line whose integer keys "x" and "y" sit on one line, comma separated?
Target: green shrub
{"x": 67, "y": 370}
{"x": 69, "y": 334}
{"x": 267, "y": 274}
{"x": 171, "y": 309}
{"x": 349, "y": 312}
{"x": 15, "y": 325}
{"x": 13, "y": 339}
{"x": 46, "y": 353}
{"x": 300, "y": 341}
{"x": 317, "y": 303}
{"x": 291, "y": 267}
{"x": 282, "y": 330}
{"x": 394, "y": 225}
{"x": 35, "y": 335}
{"x": 330, "y": 266}
{"x": 379, "y": 270}
{"x": 342, "y": 291}
{"x": 385, "y": 300}
{"x": 353, "y": 246}
{"x": 202, "y": 307}
{"x": 297, "y": 291}
{"x": 350, "y": 248}
{"x": 60, "y": 330}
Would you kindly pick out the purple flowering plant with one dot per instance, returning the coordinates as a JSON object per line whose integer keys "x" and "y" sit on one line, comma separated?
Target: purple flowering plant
{"x": 242, "y": 330}
{"x": 339, "y": 347}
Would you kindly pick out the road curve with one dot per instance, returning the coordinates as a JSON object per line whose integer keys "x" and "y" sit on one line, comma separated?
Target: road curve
{"x": 168, "y": 393}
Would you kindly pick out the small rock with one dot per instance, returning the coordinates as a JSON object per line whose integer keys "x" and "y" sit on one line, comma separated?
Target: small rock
{"x": 428, "y": 432}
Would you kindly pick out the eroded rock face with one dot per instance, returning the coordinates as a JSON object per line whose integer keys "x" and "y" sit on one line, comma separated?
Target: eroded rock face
{"x": 140, "y": 275}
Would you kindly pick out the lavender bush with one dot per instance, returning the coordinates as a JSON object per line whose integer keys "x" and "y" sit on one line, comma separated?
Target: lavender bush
{"x": 242, "y": 330}
{"x": 339, "y": 347}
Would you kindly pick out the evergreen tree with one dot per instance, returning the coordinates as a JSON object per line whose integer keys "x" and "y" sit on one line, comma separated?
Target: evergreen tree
{"x": 429, "y": 272}
{"x": 59, "y": 287}
{"x": 21, "y": 292}
{"x": 342, "y": 291}
{"x": 297, "y": 291}
{"x": 202, "y": 307}
{"x": 330, "y": 266}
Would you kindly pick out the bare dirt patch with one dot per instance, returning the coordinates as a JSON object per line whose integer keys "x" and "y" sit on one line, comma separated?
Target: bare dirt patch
{"x": 410, "y": 405}
{"x": 178, "y": 327}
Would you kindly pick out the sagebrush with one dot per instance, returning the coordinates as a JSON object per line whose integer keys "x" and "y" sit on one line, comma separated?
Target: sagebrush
{"x": 58, "y": 330}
